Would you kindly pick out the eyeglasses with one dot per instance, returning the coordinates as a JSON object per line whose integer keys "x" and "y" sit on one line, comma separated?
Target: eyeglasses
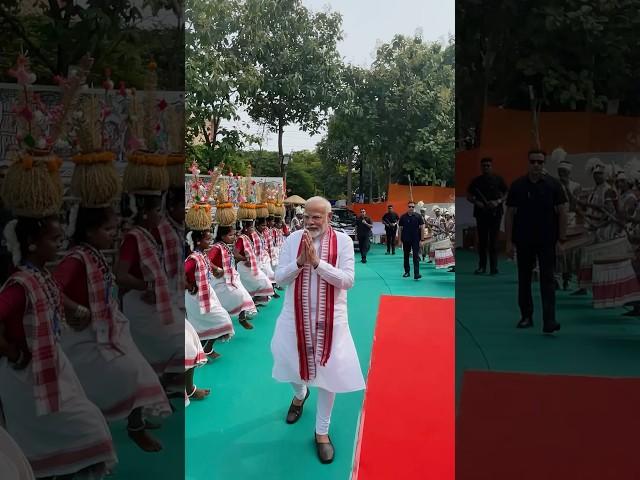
{"x": 536, "y": 162}
{"x": 412, "y": 206}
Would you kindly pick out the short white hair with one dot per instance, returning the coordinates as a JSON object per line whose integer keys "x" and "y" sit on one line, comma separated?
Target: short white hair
{"x": 321, "y": 200}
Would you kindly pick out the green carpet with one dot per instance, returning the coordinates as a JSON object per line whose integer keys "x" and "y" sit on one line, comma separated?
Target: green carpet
{"x": 240, "y": 432}
{"x": 591, "y": 342}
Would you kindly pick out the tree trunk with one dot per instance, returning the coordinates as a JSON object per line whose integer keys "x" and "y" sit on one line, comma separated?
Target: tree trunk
{"x": 371, "y": 182}
{"x": 212, "y": 142}
{"x": 280, "y": 151}
{"x": 349, "y": 188}
{"x": 361, "y": 177}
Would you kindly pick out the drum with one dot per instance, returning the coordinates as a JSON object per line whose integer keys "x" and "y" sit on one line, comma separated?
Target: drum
{"x": 611, "y": 249}
{"x": 614, "y": 283}
{"x": 443, "y": 254}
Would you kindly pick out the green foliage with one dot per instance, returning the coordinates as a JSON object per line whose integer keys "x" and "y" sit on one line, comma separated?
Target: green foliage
{"x": 575, "y": 54}
{"x": 58, "y": 34}
{"x": 398, "y": 117}
{"x": 292, "y": 63}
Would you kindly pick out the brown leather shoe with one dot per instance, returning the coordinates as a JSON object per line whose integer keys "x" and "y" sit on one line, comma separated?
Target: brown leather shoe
{"x": 325, "y": 451}
{"x": 295, "y": 411}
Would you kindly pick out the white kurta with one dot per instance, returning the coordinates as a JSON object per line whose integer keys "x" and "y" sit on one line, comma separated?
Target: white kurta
{"x": 13, "y": 463}
{"x": 342, "y": 372}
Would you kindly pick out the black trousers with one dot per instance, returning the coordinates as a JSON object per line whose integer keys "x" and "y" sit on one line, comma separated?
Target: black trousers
{"x": 546, "y": 257}
{"x": 407, "y": 247}
{"x": 488, "y": 228}
{"x": 364, "y": 243}
{"x": 390, "y": 233}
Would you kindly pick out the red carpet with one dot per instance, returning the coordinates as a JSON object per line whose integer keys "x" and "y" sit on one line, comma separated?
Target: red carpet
{"x": 407, "y": 424}
{"x": 552, "y": 427}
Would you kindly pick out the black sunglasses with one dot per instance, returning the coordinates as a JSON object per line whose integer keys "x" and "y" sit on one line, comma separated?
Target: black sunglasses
{"x": 412, "y": 206}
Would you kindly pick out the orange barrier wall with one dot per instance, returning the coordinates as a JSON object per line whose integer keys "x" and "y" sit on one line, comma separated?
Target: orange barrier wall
{"x": 506, "y": 137}
{"x": 399, "y": 196}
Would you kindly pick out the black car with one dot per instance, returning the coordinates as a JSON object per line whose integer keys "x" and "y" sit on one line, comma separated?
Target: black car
{"x": 344, "y": 220}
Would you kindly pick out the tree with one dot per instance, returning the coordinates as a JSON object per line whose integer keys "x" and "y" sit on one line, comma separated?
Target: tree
{"x": 294, "y": 64}
{"x": 212, "y": 75}
{"x": 58, "y": 34}
{"x": 569, "y": 52}
{"x": 396, "y": 119}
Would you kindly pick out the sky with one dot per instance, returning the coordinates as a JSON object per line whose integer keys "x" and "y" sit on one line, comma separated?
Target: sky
{"x": 365, "y": 24}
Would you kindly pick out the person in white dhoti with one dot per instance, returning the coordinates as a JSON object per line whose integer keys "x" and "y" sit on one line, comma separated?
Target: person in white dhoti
{"x": 312, "y": 343}
{"x": 204, "y": 310}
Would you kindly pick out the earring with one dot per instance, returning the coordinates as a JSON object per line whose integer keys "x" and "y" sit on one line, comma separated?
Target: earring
{"x": 32, "y": 248}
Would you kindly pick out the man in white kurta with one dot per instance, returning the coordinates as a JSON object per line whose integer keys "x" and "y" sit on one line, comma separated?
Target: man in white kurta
{"x": 341, "y": 372}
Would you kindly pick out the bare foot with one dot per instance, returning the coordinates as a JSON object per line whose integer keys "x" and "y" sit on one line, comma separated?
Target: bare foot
{"x": 200, "y": 393}
{"x": 213, "y": 355}
{"x": 145, "y": 441}
{"x": 246, "y": 324}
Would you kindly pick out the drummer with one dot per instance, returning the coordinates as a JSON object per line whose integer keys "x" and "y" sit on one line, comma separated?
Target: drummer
{"x": 599, "y": 208}
{"x": 572, "y": 189}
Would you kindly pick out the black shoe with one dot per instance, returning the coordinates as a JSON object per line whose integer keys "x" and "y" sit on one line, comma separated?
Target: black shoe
{"x": 393, "y": 253}
{"x": 417, "y": 277}
{"x": 494, "y": 272}
{"x": 325, "y": 451}
{"x": 480, "y": 271}
{"x": 406, "y": 274}
{"x": 387, "y": 253}
{"x": 525, "y": 323}
{"x": 275, "y": 294}
{"x": 364, "y": 260}
{"x": 553, "y": 328}
{"x": 295, "y": 411}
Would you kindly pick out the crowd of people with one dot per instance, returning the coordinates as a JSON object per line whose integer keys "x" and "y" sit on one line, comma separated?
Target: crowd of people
{"x": 563, "y": 232}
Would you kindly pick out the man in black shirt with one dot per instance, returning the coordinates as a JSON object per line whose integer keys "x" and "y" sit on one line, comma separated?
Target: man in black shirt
{"x": 487, "y": 193}
{"x": 390, "y": 221}
{"x": 536, "y": 221}
{"x": 363, "y": 230}
{"x": 412, "y": 236}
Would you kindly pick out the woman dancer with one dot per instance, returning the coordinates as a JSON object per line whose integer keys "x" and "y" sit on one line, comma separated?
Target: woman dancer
{"x": 252, "y": 277}
{"x": 226, "y": 279}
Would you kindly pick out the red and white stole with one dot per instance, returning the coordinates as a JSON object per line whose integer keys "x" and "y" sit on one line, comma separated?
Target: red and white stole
{"x": 41, "y": 328}
{"x": 203, "y": 267}
{"x": 313, "y": 351}
{"x": 278, "y": 237}
{"x": 267, "y": 241}
{"x": 170, "y": 246}
{"x": 103, "y": 307}
{"x": 257, "y": 244}
{"x": 153, "y": 271}
{"x": 226, "y": 263}
{"x": 250, "y": 254}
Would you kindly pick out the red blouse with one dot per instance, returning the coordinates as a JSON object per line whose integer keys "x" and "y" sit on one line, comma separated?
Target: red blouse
{"x": 71, "y": 274}
{"x": 129, "y": 253}
{"x": 13, "y": 303}
{"x": 190, "y": 271}
{"x": 215, "y": 257}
